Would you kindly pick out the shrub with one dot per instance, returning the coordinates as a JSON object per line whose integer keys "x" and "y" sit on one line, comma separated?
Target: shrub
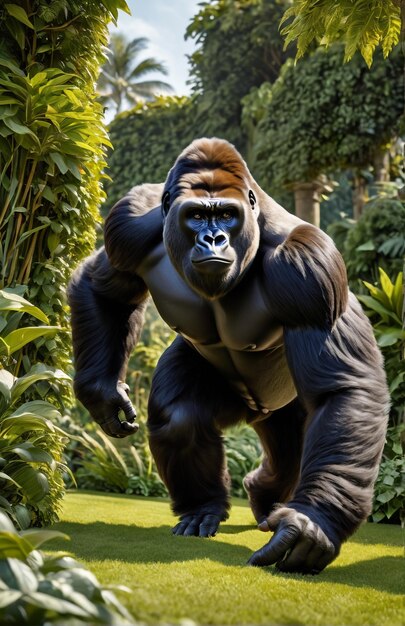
{"x": 376, "y": 240}
{"x": 39, "y": 589}
{"x": 52, "y": 144}
{"x": 31, "y": 445}
{"x": 147, "y": 140}
{"x": 389, "y": 497}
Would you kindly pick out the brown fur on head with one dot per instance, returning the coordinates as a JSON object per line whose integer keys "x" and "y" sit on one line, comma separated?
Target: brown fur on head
{"x": 208, "y": 167}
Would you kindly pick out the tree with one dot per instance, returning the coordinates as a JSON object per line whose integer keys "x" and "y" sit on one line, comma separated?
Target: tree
{"x": 361, "y": 24}
{"x": 122, "y": 76}
{"x": 147, "y": 140}
{"x": 321, "y": 116}
{"x": 239, "y": 46}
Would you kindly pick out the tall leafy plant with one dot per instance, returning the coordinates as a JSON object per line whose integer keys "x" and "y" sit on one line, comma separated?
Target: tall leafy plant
{"x": 52, "y": 144}
{"x": 31, "y": 445}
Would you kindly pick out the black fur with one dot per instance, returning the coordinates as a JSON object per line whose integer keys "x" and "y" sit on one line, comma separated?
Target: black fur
{"x": 268, "y": 334}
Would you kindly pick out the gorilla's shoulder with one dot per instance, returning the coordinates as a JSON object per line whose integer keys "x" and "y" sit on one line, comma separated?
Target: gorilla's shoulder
{"x": 141, "y": 199}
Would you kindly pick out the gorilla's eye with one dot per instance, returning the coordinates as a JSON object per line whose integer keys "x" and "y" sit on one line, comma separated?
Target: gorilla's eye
{"x": 196, "y": 215}
{"x": 226, "y": 215}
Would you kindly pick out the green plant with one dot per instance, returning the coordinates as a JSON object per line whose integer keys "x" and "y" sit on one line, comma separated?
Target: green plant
{"x": 31, "y": 445}
{"x": 238, "y": 46}
{"x": 243, "y": 452}
{"x": 376, "y": 240}
{"x": 52, "y": 145}
{"x": 122, "y": 75}
{"x": 147, "y": 140}
{"x": 328, "y": 115}
{"x": 389, "y": 497}
{"x": 36, "y": 588}
{"x": 362, "y": 25}
{"x": 385, "y": 306}
{"x": 105, "y": 466}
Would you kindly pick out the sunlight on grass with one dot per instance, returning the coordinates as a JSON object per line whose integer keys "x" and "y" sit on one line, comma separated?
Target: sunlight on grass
{"x": 127, "y": 540}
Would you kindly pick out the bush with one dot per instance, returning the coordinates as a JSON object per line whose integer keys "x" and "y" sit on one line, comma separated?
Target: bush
{"x": 39, "y": 589}
{"x": 389, "y": 496}
{"x": 147, "y": 140}
{"x": 31, "y": 445}
{"x": 376, "y": 240}
{"x": 52, "y": 145}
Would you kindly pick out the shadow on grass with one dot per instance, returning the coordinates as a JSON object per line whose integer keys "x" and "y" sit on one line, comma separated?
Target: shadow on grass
{"x": 100, "y": 541}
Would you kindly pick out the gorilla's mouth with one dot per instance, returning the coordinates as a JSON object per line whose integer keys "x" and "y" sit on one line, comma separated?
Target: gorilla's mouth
{"x": 213, "y": 259}
{"x": 212, "y": 264}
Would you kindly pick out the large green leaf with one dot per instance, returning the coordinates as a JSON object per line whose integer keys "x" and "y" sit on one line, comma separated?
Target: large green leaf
{"x": 19, "y": 13}
{"x": 32, "y": 454}
{"x": 20, "y": 337}
{"x": 13, "y": 546}
{"x": 36, "y": 537}
{"x": 13, "y": 302}
{"x": 38, "y": 372}
{"x": 34, "y": 483}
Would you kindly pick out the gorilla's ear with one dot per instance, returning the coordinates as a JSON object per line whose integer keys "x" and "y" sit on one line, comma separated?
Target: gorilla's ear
{"x": 165, "y": 203}
{"x": 252, "y": 199}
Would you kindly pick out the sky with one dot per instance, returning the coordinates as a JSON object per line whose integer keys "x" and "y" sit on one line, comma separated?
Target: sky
{"x": 164, "y": 23}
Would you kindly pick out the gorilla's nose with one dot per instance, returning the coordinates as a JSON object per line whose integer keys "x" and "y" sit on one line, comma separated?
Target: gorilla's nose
{"x": 213, "y": 240}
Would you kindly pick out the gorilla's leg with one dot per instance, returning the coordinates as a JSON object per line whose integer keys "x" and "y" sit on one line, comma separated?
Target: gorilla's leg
{"x": 189, "y": 404}
{"x": 281, "y": 436}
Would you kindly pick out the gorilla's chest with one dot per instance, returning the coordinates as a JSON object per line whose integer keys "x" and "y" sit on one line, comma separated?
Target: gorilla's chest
{"x": 238, "y": 322}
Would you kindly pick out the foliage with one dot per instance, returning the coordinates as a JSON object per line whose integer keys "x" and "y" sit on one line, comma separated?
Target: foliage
{"x": 376, "y": 239}
{"x": 243, "y": 452}
{"x": 31, "y": 445}
{"x": 385, "y": 307}
{"x": 104, "y": 465}
{"x": 52, "y": 144}
{"x": 389, "y": 498}
{"x": 36, "y": 588}
{"x": 362, "y": 25}
{"x": 322, "y": 115}
{"x": 147, "y": 141}
{"x": 122, "y": 77}
{"x": 238, "y": 47}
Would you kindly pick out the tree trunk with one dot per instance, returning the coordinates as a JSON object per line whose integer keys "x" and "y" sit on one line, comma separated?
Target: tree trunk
{"x": 382, "y": 167}
{"x": 359, "y": 195}
{"x": 307, "y": 202}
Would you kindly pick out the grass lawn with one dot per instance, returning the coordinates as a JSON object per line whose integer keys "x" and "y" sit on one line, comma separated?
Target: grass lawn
{"x": 127, "y": 540}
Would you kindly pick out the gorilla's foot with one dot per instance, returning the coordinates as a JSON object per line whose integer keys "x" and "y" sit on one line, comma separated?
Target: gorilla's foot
{"x": 198, "y": 525}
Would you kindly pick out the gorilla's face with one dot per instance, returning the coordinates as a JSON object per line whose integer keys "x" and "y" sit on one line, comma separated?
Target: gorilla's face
{"x": 210, "y": 217}
{"x": 211, "y": 241}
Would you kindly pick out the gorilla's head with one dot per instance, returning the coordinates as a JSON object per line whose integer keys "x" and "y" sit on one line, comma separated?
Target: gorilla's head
{"x": 210, "y": 217}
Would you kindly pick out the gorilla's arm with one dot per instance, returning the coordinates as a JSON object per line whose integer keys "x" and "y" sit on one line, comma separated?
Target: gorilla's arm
{"x": 107, "y": 308}
{"x": 108, "y": 299}
{"x": 339, "y": 377}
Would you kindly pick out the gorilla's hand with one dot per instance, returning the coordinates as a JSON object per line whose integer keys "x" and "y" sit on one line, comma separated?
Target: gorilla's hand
{"x": 197, "y": 525}
{"x": 104, "y": 401}
{"x": 298, "y": 544}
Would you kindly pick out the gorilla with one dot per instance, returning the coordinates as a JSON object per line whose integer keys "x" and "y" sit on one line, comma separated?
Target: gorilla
{"x": 267, "y": 333}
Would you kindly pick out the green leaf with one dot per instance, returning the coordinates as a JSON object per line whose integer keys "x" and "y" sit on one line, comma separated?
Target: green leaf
{"x": 19, "y": 14}
{"x": 38, "y": 372}
{"x": 36, "y": 537}
{"x": 32, "y": 454}
{"x": 366, "y": 247}
{"x": 12, "y": 302}
{"x": 59, "y": 162}
{"x": 20, "y": 337}
{"x": 17, "y": 128}
{"x": 9, "y": 597}
{"x": 12, "y": 546}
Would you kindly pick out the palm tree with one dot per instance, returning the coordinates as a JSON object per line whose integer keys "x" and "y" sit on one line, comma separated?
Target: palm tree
{"x": 122, "y": 77}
